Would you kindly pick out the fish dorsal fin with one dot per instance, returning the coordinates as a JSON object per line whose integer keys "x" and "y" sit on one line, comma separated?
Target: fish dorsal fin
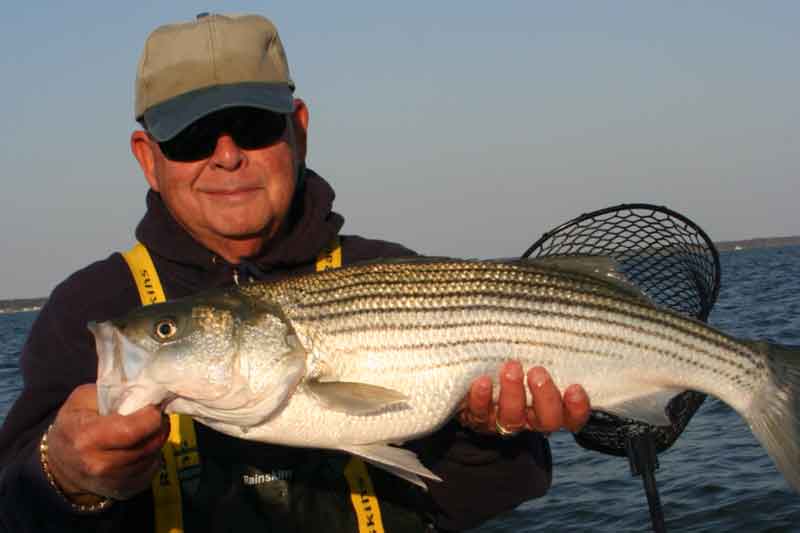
{"x": 354, "y": 398}
{"x": 599, "y": 267}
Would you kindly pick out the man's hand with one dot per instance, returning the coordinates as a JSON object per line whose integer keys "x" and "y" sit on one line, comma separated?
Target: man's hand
{"x": 549, "y": 411}
{"x": 114, "y": 456}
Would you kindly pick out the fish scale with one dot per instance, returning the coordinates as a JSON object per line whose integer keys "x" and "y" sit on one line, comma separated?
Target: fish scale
{"x": 379, "y": 314}
{"x": 395, "y": 301}
{"x": 384, "y": 352}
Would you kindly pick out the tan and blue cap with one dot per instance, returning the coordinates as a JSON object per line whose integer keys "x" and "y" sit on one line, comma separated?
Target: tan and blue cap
{"x": 192, "y": 69}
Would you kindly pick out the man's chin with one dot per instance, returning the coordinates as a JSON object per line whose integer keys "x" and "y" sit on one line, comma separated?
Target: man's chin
{"x": 241, "y": 232}
{"x": 240, "y": 226}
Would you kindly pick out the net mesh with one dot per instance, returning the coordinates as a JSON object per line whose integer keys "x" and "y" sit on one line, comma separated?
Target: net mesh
{"x": 673, "y": 262}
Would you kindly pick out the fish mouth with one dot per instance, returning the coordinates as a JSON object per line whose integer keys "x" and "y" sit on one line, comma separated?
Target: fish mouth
{"x": 122, "y": 386}
{"x": 109, "y": 367}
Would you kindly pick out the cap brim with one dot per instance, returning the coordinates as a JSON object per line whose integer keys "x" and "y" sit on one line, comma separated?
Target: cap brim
{"x": 167, "y": 119}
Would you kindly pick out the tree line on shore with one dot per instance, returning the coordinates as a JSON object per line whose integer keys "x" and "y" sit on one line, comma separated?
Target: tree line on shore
{"x": 21, "y": 304}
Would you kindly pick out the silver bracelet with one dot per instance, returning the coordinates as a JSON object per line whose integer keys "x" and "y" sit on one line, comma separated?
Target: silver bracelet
{"x": 102, "y": 505}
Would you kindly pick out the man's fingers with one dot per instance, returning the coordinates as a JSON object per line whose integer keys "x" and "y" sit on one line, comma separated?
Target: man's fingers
{"x": 116, "y": 432}
{"x": 132, "y": 431}
{"x": 79, "y": 421}
{"x": 547, "y": 413}
{"x": 576, "y": 408}
{"x": 83, "y": 397}
{"x": 511, "y": 401}
{"x": 123, "y": 481}
{"x": 112, "y": 455}
{"x": 479, "y": 401}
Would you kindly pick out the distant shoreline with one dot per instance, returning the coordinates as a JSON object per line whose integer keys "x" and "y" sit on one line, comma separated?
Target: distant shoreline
{"x": 21, "y": 305}
{"x": 764, "y": 242}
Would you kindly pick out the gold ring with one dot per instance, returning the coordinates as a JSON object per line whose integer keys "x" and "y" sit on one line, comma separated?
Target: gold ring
{"x": 504, "y": 432}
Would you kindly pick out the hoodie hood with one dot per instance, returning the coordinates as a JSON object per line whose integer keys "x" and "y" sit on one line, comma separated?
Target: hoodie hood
{"x": 312, "y": 225}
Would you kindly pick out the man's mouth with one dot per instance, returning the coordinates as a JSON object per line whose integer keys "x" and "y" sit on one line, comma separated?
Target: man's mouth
{"x": 232, "y": 194}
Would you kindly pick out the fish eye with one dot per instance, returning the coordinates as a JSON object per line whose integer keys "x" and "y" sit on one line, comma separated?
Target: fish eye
{"x": 165, "y": 329}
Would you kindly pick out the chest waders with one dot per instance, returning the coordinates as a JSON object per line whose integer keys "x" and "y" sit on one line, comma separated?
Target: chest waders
{"x": 180, "y": 455}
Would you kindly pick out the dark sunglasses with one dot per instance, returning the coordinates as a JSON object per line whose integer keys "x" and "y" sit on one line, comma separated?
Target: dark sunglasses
{"x": 250, "y": 129}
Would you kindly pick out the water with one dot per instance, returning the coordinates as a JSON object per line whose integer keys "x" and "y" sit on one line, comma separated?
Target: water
{"x": 715, "y": 478}
{"x": 13, "y": 330}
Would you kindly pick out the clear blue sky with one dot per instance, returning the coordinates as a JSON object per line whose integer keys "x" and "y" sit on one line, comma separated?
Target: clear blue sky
{"x": 457, "y": 128}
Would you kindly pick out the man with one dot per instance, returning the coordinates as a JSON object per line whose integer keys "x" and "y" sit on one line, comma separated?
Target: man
{"x": 223, "y": 150}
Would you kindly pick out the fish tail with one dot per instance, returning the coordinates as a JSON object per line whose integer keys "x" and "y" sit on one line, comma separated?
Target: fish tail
{"x": 773, "y": 413}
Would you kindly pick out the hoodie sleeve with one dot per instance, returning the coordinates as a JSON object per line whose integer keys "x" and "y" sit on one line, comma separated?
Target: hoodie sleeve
{"x": 483, "y": 476}
{"x": 58, "y": 356}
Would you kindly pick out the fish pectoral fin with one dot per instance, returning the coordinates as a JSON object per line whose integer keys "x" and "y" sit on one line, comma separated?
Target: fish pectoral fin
{"x": 398, "y": 461}
{"x": 649, "y": 408}
{"x": 354, "y": 398}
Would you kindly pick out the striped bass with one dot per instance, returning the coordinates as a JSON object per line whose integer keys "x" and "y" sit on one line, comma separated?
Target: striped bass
{"x": 363, "y": 357}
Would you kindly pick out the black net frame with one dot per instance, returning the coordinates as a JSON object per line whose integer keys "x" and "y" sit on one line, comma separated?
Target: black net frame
{"x": 674, "y": 262}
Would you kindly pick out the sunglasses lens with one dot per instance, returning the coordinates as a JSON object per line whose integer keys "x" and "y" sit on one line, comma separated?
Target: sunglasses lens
{"x": 192, "y": 144}
{"x": 250, "y": 129}
{"x": 258, "y": 129}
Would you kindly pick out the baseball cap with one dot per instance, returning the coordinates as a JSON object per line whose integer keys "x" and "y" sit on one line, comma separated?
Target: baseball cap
{"x": 191, "y": 69}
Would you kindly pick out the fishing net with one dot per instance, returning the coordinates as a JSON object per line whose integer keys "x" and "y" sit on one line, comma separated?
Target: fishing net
{"x": 674, "y": 263}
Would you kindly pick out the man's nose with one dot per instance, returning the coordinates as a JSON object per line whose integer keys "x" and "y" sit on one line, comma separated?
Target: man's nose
{"x": 227, "y": 154}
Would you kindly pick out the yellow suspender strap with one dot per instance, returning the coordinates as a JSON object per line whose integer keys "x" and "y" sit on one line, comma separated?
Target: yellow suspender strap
{"x": 362, "y": 493}
{"x": 330, "y": 256}
{"x": 180, "y": 450}
{"x": 363, "y": 496}
{"x": 144, "y": 274}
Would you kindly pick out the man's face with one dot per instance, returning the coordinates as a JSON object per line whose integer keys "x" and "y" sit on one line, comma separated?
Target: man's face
{"x": 233, "y": 199}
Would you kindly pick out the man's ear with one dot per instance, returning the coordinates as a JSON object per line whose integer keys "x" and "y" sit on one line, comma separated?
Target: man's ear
{"x": 300, "y": 129}
{"x": 142, "y": 148}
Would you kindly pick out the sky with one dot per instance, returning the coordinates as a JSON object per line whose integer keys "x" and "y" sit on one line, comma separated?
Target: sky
{"x": 456, "y": 128}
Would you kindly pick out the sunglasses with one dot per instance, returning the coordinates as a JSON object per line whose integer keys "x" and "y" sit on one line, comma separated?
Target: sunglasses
{"x": 250, "y": 129}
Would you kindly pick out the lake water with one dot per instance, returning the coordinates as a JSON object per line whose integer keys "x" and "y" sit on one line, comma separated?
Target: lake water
{"x": 715, "y": 478}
